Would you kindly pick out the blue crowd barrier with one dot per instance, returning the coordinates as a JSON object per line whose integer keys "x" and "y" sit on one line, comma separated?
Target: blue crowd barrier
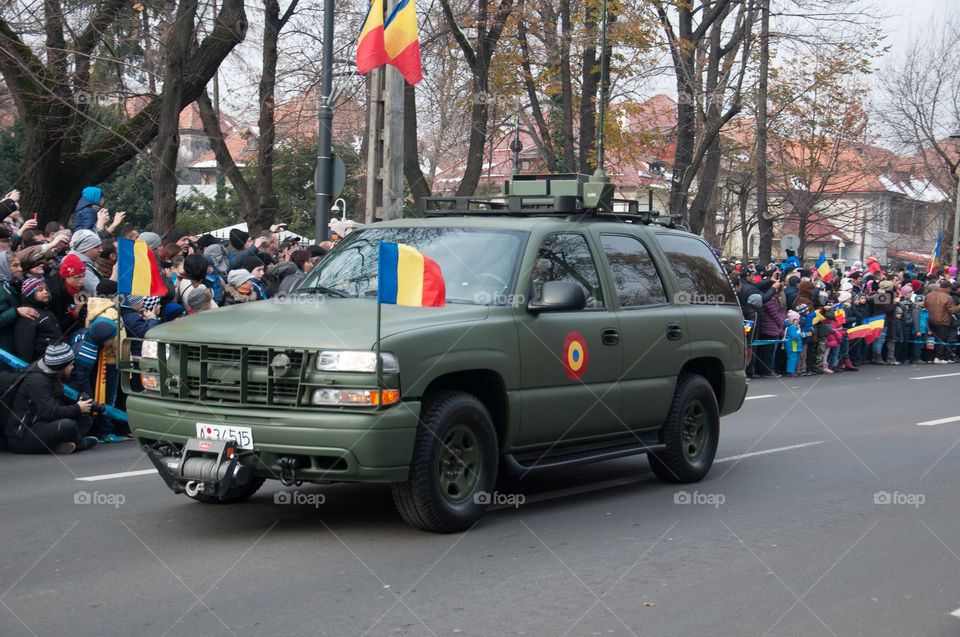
{"x": 16, "y": 363}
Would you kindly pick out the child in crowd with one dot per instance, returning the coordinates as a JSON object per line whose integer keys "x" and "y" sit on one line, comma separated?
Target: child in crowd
{"x": 794, "y": 342}
{"x": 31, "y": 336}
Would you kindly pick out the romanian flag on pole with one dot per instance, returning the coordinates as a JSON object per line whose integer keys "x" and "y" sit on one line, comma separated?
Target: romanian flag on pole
{"x": 870, "y": 330}
{"x": 407, "y": 277}
{"x": 402, "y": 41}
{"x": 936, "y": 255}
{"x": 823, "y": 268}
{"x": 371, "y": 53}
{"x": 137, "y": 271}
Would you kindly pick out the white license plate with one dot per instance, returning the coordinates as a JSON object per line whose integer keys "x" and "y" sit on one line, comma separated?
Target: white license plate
{"x": 243, "y": 436}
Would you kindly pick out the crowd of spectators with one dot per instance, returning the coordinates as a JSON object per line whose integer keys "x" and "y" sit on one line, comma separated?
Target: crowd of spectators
{"x": 799, "y": 323}
{"x": 58, "y": 310}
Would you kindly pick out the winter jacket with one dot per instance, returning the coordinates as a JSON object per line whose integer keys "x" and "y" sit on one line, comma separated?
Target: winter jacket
{"x": 804, "y": 295}
{"x": 40, "y": 398}
{"x": 747, "y": 289}
{"x": 136, "y": 325}
{"x": 61, "y": 300}
{"x": 835, "y": 335}
{"x": 790, "y": 293}
{"x": 771, "y": 319}
{"x": 273, "y": 282}
{"x": 100, "y": 306}
{"x": 86, "y": 215}
{"x": 9, "y": 302}
{"x": 940, "y": 306}
{"x": 794, "y": 339}
{"x": 236, "y": 261}
{"x": 233, "y": 296}
{"x": 291, "y": 281}
{"x": 31, "y": 336}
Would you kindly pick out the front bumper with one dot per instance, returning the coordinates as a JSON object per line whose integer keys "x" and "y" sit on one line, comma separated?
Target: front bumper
{"x": 340, "y": 445}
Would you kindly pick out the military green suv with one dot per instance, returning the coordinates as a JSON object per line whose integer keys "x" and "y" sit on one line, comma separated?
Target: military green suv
{"x": 569, "y": 335}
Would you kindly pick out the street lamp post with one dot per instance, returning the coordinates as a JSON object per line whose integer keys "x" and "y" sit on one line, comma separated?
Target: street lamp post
{"x": 956, "y": 213}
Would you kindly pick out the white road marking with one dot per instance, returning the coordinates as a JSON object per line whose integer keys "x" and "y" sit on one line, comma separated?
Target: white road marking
{"x": 939, "y": 421}
{"x": 766, "y": 451}
{"x": 618, "y": 482}
{"x": 760, "y": 396}
{"x": 956, "y": 613}
{"x": 112, "y": 476}
{"x": 934, "y": 376}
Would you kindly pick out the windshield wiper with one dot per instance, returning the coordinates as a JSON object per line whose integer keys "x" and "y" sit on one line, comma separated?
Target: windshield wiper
{"x": 324, "y": 289}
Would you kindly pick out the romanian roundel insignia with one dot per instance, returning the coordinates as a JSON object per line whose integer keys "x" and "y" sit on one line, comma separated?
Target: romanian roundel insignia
{"x": 574, "y": 356}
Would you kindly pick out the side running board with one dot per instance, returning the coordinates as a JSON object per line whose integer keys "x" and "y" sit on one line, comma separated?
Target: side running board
{"x": 533, "y": 462}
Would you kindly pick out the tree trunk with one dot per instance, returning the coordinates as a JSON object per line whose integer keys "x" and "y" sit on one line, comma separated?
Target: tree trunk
{"x": 66, "y": 169}
{"x": 164, "y": 169}
{"x": 419, "y": 187}
{"x": 211, "y": 126}
{"x": 764, "y": 222}
{"x": 588, "y": 95}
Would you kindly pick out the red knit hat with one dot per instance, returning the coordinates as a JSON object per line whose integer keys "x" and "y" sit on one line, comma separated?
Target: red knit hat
{"x": 72, "y": 266}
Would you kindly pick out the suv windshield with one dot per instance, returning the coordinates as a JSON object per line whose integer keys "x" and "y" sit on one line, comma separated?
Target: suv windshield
{"x": 478, "y": 265}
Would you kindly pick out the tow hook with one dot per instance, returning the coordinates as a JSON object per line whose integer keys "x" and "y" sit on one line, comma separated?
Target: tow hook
{"x": 288, "y": 471}
{"x": 209, "y": 467}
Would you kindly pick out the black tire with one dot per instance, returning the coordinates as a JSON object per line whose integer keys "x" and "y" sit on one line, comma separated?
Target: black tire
{"x": 454, "y": 460}
{"x": 235, "y": 494}
{"x": 691, "y": 432}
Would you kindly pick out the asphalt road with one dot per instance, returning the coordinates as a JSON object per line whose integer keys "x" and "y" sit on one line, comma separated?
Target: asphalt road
{"x": 830, "y": 512}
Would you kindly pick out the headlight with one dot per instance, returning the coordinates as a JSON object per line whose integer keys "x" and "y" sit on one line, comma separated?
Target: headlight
{"x": 354, "y": 397}
{"x": 148, "y": 349}
{"x": 352, "y": 361}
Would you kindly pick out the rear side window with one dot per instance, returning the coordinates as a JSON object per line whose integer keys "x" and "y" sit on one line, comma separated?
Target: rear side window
{"x": 634, "y": 274}
{"x": 702, "y": 280}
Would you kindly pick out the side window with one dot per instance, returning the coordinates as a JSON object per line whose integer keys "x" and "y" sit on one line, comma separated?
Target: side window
{"x": 565, "y": 256}
{"x": 634, "y": 274}
{"x": 702, "y": 280}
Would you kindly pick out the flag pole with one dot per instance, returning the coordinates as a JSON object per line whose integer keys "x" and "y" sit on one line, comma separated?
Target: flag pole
{"x": 376, "y": 346}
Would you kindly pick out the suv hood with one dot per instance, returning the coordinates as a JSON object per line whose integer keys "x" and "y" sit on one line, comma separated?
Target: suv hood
{"x": 314, "y": 321}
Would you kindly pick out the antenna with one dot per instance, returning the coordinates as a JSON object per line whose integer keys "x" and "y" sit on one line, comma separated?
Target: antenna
{"x": 516, "y": 146}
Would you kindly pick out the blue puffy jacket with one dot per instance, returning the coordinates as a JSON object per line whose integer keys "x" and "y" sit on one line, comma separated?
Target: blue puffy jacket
{"x": 86, "y": 218}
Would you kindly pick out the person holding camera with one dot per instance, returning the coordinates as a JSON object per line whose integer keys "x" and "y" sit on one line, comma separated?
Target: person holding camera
{"x": 42, "y": 418}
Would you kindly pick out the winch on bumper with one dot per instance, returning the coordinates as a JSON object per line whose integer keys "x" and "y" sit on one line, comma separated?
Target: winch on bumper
{"x": 203, "y": 467}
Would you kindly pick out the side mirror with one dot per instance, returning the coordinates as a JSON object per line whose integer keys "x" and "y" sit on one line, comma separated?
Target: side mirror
{"x": 558, "y": 296}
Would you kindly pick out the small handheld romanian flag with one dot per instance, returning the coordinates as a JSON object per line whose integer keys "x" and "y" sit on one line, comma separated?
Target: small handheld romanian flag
{"x": 407, "y": 277}
{"x": 371, "y": 53}
{"x": 823, "y": 268}
{"x": 137, "y": 271}
{"x": 870, "y": 330}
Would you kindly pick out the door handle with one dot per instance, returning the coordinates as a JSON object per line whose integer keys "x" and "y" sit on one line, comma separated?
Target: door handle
{"x": 674, "y": 332}
{"x": 610, "y": 336}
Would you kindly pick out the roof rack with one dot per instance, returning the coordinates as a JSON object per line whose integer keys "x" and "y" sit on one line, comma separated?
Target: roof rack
{"x": 548, "y": 195}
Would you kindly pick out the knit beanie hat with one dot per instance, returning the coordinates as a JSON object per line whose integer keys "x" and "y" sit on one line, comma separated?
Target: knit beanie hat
{"x": 72, "y": 266}
{"x": 205, "y": 241}
{"x": 131, "y": 301}
{"x": 152, "y": 239}
{"x": 176, "y": 234}
{"x": 906, "y": 290}
{"x": 792, "y": 316}
{"x": 92, "y": 194}
{"x": 251, "y": 263}
{"x": 58, "y": 355}
{"x": 238, "y": 238}
{"x": 198, "y": 297}
{"x": 107, "y": 287}
{"x": 237, "y": 278}
{"x": 102, "y": 329}
{"x": 84, "y": 240}
{"x": 30, "y": 286}
{"x": 844, "y": 296}
{"x": 173, "y": 311}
